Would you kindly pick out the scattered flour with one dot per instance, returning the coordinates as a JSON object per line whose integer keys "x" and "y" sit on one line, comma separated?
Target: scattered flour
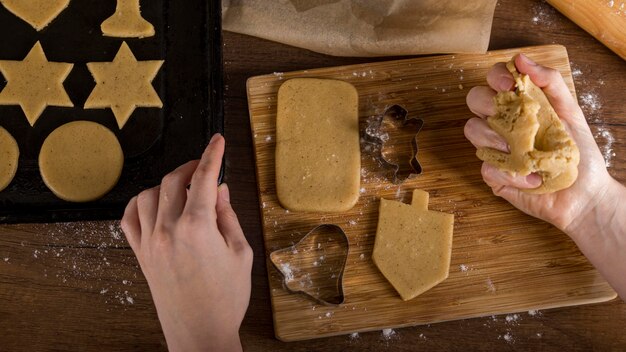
{"x": 388, "y": 334}
{"x": 490, "y": 286}
{"x": 285, "y": 268}
{"x": 512, "y": 319}
{"x": 605, "y": 141}
{"x": 464, "y": 268}
{"x": 354, "y": 336}
{"x": 543, "y": 14}
{"x": 508, "y": 337}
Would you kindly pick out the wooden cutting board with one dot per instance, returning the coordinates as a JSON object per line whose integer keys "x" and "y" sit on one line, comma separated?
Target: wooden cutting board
{"x": 503, "y": 261}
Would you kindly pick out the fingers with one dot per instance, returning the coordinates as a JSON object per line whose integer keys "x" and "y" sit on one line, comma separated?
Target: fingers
{"x": 147, "y": 207}
{"x": 202, "y": 197}
{"x": 227, "y": 221}
{"x": 131, "y": 226}
{"x": 480, "y": 101}
{"x": 553, "y": 85}
{"x": 499, "y": 78}
{"x": 497, "y": 179}
{"x": 173, "y": 194}
{"x": 478, "y": 132}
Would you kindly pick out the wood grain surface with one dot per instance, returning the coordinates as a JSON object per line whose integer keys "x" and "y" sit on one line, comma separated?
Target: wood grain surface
{"x": 503, "y": 261}
{"x": 69, "y": 303}
{"x": 603, "y": 19}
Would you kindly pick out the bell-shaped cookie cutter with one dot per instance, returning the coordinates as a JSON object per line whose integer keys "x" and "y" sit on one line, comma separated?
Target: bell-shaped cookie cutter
{"x": 322, "y": 279}
{"x": 373, "y": 134}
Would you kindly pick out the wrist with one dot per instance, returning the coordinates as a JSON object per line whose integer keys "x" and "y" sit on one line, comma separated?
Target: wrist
{"x": 600, "y": 217}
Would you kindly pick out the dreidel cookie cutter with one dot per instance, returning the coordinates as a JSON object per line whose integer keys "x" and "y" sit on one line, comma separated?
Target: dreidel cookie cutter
{"x": 315, "y": 265}
{"x": 401, "y": 170}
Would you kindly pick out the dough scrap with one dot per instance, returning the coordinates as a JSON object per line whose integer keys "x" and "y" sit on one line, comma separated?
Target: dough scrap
{"x": 127, "y": 22}
{"x": 124, "y": 84}
{"x": 318, "y": 153}
{"x": 536, "y": 136}
{"x": 413, "y": 245}
{"x": 9, "y": 156}
{"x": 81, "y": 161}
{"x": 37, "y": 13}
{"x": 35, "y": 83}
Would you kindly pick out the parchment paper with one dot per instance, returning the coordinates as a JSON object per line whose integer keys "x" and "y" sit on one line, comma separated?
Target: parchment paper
{"x": 366, "y": 27}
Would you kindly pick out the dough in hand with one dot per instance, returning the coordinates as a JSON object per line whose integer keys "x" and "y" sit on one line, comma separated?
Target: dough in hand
{"x": 9, "y": 155}
{"x": 537, "y": 139}
{"x": 81, "y": 161}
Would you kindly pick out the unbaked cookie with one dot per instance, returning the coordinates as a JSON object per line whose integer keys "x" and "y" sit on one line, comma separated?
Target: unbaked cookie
{"x": 9, "y": 155}
{"x": 537, "y": 139}
{"x": 127, "y": 22}
{"x": 81, "y": 161}
{"x": 123, "y": 85}
{"x": 318, "y": 156}
{"x": 37, "y": 13}
{"x": 35, "y": 83}
{"x": 413, "y": 245}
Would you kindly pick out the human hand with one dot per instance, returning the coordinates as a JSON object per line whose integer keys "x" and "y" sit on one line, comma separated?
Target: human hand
{"x": 563, "y": 208}
{"x": 194, "y": 255}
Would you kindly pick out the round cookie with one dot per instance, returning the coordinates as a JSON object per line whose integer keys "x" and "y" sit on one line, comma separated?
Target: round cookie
{"x": 9, "y": 155}
{"x": 81, "y": 161}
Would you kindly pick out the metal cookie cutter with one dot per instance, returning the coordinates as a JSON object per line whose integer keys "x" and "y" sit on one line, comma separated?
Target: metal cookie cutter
{"x": 395, "y": 118}
{"x": 314, "y": 266}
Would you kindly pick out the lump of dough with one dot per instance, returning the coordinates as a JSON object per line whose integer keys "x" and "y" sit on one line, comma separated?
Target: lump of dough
{"x": 537, "y": 139}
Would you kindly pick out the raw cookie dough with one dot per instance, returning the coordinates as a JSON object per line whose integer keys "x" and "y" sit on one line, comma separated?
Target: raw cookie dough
{"x": 318, "y": 156}
{"x": 81, "y": 161}
{"x": 9, "y": 155}
{"x": 35, "y": 83}
{"x": 537, "y": 139}
{"x": 37, "y": 13}
{"x": 123, "y": 85}
{"x": 413, "y": 245}
{"x": 127, "y": 22}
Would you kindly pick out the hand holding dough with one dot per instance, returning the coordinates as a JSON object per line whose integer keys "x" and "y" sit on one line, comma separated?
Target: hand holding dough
{"x": 536, "y": 137}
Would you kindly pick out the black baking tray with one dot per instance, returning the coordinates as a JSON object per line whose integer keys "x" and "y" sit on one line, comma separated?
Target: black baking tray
{"x": 155, "y": 141}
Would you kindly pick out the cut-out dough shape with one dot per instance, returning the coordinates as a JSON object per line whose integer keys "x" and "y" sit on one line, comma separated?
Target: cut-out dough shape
{"x": 127, "y": 22}
{"x": 9, "y": 155}
{"x": 123, "y": 85}
{"x": 413, "y": 245}
{"x": 81, "y": 161}
{"x": 35, "y": 83}
{"x": 37, "y": 13}
{"x": 537, "y": 139}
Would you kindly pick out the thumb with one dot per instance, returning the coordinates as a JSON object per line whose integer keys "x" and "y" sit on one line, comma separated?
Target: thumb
{"x": 227, "y": 221}
{"x": 554, "y": 87}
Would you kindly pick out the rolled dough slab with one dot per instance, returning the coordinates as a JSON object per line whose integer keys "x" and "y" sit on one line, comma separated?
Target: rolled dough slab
{"x": 318, "y": 155}
{"x": 81, "y": 161}
{"x": 9, "y": 155}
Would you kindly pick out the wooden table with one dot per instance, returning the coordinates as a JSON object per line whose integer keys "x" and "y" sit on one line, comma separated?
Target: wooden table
{"x": 78, "y": 286}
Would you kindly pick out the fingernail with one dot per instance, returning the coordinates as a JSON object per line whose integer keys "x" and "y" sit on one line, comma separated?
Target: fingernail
{"x": 527, "y": 60}
{"x": 214, "y": 138}
{"x": 224, "y": 192}
{"x": 534, "y": 180}
{"x": 506, "y": 83}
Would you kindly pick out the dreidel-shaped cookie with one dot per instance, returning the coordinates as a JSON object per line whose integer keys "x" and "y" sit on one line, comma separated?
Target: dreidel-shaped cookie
{"x": 413, "y": 245}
